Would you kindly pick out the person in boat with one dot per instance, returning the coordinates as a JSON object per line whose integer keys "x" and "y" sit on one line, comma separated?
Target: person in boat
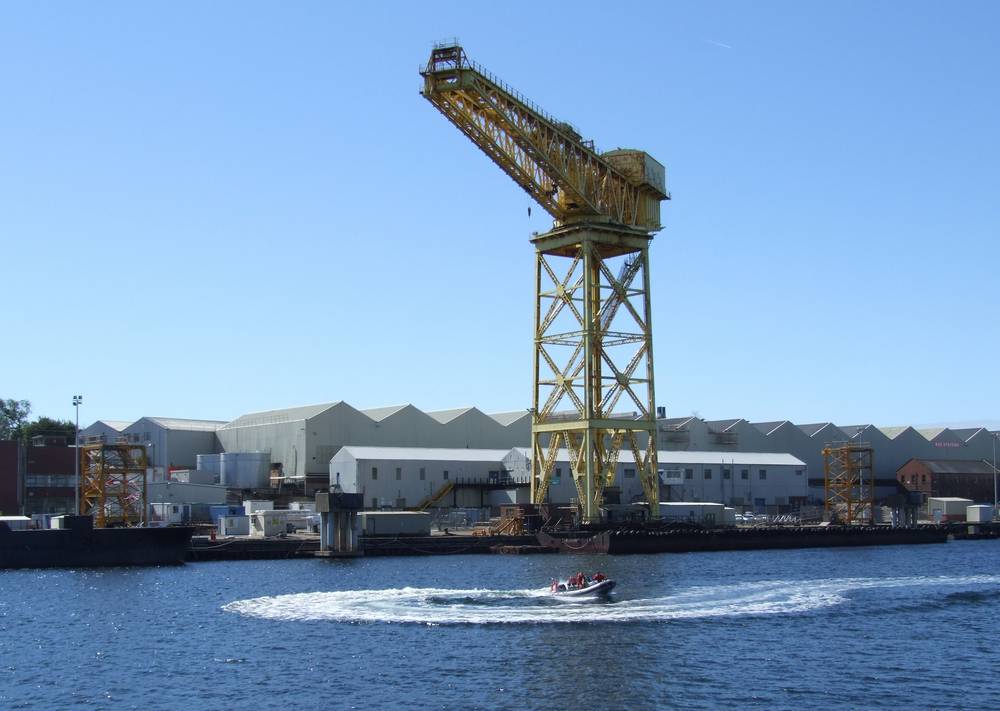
{"x": 600, "y": 577}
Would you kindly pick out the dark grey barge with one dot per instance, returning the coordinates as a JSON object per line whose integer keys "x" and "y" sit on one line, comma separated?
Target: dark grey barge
{"x": 80, "y": 545}
{"x": 689, "y": 539}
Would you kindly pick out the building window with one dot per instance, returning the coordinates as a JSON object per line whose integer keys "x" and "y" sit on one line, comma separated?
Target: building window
{"x": 399, "y": 473}
{"x": 689, "y": 473}
{"x": 798, "y": 472}
{"x": 763, "y": 474}
{"x": 423, "y": 473}
{"x": 923, "y": 478}
{"x": 374, "y": 473}
{"x": 727, "y": 474}
{"x": 630, "y": 473}
{"x": 708, "y": 474}
{"x": 744, "y": 473}
{"x": 445, "y": 476}
{"x": 556, "y": 476}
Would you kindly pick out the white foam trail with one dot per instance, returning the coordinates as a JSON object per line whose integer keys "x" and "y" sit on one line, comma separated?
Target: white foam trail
{"x": 440, "y": 606}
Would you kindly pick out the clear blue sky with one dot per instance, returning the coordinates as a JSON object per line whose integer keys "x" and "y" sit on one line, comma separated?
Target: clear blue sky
{"x": 208, "y": 209}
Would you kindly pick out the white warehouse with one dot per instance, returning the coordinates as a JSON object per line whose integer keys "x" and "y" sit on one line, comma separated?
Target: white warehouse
{"x": 403, "y": 477}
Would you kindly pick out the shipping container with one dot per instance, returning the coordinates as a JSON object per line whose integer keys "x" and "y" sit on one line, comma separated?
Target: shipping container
{"x": 16, "y": 523}
{"x": 979, "y": 514}
{"x": 250, "y": 506}
{"x": 234, "y": 526}
{"x": 264, "y": 524}
{"x": 947, "y": 508}
{"x": 218, "y": 511}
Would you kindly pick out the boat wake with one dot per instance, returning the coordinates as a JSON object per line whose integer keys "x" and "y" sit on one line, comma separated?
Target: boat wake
{"x": 438, "y": 606}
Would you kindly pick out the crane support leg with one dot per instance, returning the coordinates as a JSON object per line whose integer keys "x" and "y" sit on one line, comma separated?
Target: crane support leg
{"x": 593, "y": 361}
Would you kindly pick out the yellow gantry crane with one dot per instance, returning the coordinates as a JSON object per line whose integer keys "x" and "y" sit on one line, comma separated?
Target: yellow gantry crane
{"x": 593, "y": 355}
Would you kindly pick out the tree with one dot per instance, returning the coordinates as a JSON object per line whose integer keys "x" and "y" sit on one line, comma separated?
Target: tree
{"x": 13, "y": 415}
{"x": 47, "y": 426}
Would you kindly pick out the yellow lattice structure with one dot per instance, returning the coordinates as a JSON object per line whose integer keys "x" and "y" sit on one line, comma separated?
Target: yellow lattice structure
{"x": 113, "y": 484}
{"x": 849, "y": 484}
{"x": 593, "y": 355}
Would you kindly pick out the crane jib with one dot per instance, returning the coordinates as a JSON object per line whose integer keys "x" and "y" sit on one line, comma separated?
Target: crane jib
{"x": 546, "y": 157}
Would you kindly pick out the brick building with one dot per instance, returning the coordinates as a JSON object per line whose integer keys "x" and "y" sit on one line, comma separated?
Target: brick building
{"x": 963, "y": 478}
{"x": 48, "y": 479}
{"x": 10, "y": 485}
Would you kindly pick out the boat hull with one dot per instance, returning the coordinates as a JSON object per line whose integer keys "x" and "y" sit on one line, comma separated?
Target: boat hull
{"x": 68, "y": 548}
{"x": 686, "y": 540}
{"x": 602, "y": 588}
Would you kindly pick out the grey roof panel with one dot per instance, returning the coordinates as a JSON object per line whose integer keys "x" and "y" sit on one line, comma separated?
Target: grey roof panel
{"x": 380, "y": 413}
{"x": 446, "y": 416}
{"x": 957, "y": 466}
{"x": 288, "y": 414}
{"x": 118, "y": 425}
{"x": 509, "y": 418}
{"x": 722, "y": 425}
{"x": 768, "y": 427}
{"x": 425, "y": 453}
{"x": 177, "y": 423}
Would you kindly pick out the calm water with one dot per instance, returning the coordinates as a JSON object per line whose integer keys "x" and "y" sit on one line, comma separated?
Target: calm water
{"x": 866, "y": 628}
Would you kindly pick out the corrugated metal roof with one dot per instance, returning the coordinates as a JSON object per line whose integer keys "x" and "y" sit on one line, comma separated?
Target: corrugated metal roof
{"x": 811, "y": 429}
{"x": 957, "y": 466}
{"x": 967, "y": 433}
{"x": 117, "y": 425}
{"x": 695, "y": 457}
{"x": 677, "y": 421}
{"x": 892, "y": 432}
{"x": 931, "y": 432}
{"x": 177, "y": 423}
{"x": 380, "y": 413}
{"x": 446, "y": 416}
{"x": 273, "y": 417}
{"x": 722, "y": 425}
{"x": 509, "y": 418}
{"x": 768, "y": 427}
{"x": 426, "y": 453}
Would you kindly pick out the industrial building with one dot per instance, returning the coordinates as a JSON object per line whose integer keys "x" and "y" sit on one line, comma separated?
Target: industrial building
{"x": 403, "y": 477}
{"x": 302, "y": 440}
{"x": 292, "y": 448}
{"x": 950, "y": 478}
{"x": 172, "y": 442}
{"x": 104, "y": 432}
{"x": 892, "y": 446}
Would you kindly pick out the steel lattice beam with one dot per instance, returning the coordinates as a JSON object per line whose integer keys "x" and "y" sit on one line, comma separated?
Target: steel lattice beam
{"x": 113, "y": 484}
{"x": 849, "y": 484}
{"x": 575, "y": 398}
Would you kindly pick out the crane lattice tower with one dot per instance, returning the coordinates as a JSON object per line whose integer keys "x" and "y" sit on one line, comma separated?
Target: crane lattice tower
{"x": 849, "y": 482}
{"x": 593, "y": 351}
{"x": 113, "y": 484}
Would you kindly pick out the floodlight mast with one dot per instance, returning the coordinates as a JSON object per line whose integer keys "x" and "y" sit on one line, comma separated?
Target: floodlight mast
{"x": 593, "y": 326}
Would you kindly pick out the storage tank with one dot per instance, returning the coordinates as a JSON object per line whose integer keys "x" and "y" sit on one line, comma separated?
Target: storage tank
{"x": 245, "y": 470}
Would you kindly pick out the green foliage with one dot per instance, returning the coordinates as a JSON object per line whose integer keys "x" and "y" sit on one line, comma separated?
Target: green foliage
{"x": 47, "y": 426}
{"x": 13, "y": 415}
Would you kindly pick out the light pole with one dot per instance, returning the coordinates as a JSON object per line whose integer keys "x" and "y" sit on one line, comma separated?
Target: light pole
{"x": 995, "y": 435}
{"x": 77, "y": 399}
